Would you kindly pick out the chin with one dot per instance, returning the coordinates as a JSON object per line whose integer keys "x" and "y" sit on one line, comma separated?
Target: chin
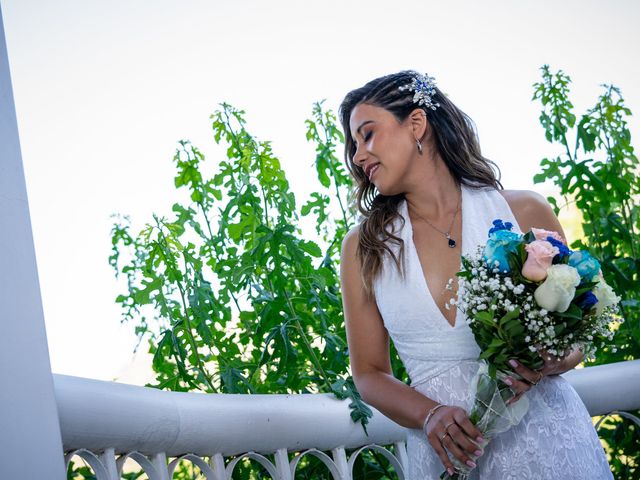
{"x": 387, "y": 191}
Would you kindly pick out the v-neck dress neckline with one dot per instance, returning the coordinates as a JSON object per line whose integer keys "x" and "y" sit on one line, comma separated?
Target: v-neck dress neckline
{"x": 426, "y": 342}
{"x": 415, "y": 259}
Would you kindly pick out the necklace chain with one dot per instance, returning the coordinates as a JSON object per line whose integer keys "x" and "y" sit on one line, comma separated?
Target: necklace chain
{"x": 447, "y": 234}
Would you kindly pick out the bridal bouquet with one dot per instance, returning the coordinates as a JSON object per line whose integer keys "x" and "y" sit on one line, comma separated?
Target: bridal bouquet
{"x": 525, "y": 296}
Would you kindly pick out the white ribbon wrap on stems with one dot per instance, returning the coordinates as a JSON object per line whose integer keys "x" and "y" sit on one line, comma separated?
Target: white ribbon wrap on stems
{"x": 490, "y": 412}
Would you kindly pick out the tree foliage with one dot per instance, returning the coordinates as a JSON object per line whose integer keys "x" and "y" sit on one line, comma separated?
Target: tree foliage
{"x": 597, "y": 168}
{"x": 231, "y": 296}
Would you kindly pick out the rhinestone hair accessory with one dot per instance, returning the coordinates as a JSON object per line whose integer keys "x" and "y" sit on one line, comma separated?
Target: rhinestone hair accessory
{"x": 423, "y": 87}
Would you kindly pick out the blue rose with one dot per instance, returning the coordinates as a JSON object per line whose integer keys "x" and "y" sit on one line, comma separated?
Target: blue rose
{"x": 501, "y": 242}
{"x": 564, "y": 250}
{"x": 499, "y": 225}
{"x": 587, "y": 266}
{"x": 587, "y": 301}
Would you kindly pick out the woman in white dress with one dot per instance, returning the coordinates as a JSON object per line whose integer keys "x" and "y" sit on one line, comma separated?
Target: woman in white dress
{"x": 427, "y": 195}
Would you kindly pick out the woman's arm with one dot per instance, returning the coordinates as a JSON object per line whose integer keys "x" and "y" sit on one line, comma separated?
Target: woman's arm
{"x": 369, "y": 348}
{"x": 371, "y": 369}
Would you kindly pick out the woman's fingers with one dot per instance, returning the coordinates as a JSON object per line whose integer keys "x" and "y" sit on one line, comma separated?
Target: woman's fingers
{"x": 515, "y": 399}
{"x": 518, "y": 386}
{"x": 531, "y": 376}
{"x": 451, "y": 430}
{"x": 450, "y": 444}
{"x": 434, "y": 440}
{"x": 467, "y": 427}
{"x": 456, "y": 433}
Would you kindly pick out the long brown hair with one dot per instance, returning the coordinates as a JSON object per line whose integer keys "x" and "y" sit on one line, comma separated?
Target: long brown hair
{"x": 455, "y": 140}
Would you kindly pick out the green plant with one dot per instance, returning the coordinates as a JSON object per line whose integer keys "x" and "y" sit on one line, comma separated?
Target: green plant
{"x": 596, "y": 168}
{"x": 231, "y": 296}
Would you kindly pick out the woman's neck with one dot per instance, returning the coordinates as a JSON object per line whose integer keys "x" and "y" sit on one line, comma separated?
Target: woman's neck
{"x": 435, "y": 194}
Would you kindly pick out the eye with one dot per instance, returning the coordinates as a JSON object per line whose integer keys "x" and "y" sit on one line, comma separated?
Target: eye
{"x": 366, "y": 138}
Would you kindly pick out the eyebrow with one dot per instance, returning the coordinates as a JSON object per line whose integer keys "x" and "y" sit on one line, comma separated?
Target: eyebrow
{"x": 366, "y": 122}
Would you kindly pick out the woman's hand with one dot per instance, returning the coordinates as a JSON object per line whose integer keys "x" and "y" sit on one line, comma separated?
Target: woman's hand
{"x": 450, "y": 428}
{"x": 552, "y": 366}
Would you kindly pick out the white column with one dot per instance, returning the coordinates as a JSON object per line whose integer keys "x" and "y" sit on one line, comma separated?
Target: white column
{"x": 30, "y": 443}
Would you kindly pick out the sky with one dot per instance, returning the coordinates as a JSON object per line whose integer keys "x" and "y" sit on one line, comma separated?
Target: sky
{"x": 104, "y": 90}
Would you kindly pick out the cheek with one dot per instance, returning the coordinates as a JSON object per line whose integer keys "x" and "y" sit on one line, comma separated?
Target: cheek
{"x": 393, "y": 143}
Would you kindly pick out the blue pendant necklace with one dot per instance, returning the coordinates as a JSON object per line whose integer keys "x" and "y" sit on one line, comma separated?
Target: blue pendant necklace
{"x": 451, "y": 242}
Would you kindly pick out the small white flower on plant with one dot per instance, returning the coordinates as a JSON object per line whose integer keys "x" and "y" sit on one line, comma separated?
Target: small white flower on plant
{"x": 559, "y": 288}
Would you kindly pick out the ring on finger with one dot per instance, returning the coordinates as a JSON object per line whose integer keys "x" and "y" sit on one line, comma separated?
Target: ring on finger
{"x": 444, "y": 435}
{"x": 446, "y": 428}
{"x": 537, "y": 381}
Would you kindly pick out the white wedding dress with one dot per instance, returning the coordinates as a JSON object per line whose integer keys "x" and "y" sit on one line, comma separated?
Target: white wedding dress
{"x": 556, "y": 438}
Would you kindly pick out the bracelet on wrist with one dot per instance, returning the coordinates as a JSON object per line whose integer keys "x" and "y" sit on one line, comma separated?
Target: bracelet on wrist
{"x": 430, "y": 414}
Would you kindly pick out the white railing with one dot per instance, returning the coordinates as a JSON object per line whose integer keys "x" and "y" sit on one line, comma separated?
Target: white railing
{"x": 107, "y": 423}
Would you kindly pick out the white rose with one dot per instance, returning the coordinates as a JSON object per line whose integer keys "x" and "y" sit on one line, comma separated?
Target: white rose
{"x": 559, "y": 288}
{"x": 605, "y": 295}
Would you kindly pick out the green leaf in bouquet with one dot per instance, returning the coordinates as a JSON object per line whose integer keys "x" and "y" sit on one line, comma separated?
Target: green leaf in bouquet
{"x": 560, "y": 328}
{"x": 509, "y": 316}
{"x": 574, "y": 311}
{"x": 486, "y": 318}
{"x": 516, "y": 259}
{"x": 465, "y": 274}
{"x": 487, "y": 353}
{"x": 514, "y": 328}
{"x": 502, "y": 358}
{"x": 584, "y": 288}
{"x": 528, "y": 237}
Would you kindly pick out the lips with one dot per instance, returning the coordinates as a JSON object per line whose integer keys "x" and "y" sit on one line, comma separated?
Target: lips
{"x": 369, "y": 170}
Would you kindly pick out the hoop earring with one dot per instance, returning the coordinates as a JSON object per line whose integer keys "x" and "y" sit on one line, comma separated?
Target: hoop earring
{"x": 419, "y": 145}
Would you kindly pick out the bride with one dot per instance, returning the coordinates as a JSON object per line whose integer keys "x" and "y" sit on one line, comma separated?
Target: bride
{"x": 427, "y": 196}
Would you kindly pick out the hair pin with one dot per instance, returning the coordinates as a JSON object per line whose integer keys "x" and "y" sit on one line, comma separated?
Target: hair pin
{"x": 424, "y": 88}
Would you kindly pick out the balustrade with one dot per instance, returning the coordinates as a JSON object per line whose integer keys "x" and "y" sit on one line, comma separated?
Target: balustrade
{"x": 108, "y": 423}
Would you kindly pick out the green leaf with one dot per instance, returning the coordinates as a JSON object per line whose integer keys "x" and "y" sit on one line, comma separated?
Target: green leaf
{"x": 311, "y": 248}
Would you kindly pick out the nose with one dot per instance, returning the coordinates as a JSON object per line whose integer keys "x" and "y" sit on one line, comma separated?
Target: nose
{"x": 360, "y": 155}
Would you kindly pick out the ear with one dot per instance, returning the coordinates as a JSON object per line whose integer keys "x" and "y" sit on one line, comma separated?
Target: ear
{"x": 418, "y": 123}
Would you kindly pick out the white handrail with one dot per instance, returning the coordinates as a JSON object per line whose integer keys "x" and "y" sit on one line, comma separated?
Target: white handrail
{"x": 605, "y": 388}
{"x": 98, "y": 415}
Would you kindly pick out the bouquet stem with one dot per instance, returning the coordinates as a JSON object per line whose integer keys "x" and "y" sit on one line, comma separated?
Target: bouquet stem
{"x": 490, "y": 413}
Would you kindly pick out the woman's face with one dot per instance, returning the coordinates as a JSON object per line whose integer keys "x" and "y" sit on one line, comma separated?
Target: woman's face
{"x": 385, "y": 148}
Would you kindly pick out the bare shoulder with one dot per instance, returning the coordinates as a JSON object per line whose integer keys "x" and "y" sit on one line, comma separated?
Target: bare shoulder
{"x": 532, "y": 210}
{"x": 350, "y": 268}
{"x": 525, "y": 201}
{"x": 350, "y": 243}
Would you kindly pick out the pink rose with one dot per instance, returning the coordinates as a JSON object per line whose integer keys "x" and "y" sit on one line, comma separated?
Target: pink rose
{"x": 540, "y": 254}
{"x": 542, "y": 234}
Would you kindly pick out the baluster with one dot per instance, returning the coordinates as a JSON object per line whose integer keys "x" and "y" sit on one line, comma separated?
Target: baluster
{"x": 282, "y": 465}
{"x": 219, "y": 469}
{"x": 108, "y": 458}
{"x": 401, "y": 455}
{"x": 340, "y": 459}
{"x": 159, "y": 461}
